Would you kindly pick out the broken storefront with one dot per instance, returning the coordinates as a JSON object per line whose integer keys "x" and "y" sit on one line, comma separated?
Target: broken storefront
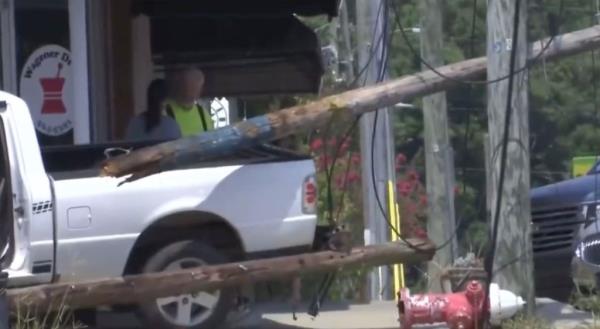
{"x": 83, "y": 66}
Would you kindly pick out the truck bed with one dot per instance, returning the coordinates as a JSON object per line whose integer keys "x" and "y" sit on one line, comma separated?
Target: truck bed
{"x": 79, "y": 161}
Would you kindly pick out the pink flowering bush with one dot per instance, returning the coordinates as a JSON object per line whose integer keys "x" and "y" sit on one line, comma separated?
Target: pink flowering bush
{"x": 412, "y": 198}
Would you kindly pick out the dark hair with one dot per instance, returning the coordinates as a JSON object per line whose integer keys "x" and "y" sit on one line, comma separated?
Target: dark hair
{"x": 156, "y": 95}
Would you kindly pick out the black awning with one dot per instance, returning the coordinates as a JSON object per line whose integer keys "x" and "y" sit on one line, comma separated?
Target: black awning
{"x": 245, "y": 8}
{"x": 241, "y": 55}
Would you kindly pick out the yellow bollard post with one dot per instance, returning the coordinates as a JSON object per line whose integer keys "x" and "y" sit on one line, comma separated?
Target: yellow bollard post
{"x": 393, "y": 210}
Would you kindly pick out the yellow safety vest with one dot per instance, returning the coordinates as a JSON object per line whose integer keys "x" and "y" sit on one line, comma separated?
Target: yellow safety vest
{"x": 190, "y": 122}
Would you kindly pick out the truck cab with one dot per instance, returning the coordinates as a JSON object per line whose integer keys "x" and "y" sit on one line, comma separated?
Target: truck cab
{"x": 67, "y": 224}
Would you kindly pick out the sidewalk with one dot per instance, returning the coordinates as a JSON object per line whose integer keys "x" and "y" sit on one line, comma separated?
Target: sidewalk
{"x": 384, "y": 315}
{"x": 377, "y": 315}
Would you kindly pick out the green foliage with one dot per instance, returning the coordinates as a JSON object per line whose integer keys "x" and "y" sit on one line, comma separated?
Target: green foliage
{"x": 564, "y": 117}
{"x": 524, "y": 322}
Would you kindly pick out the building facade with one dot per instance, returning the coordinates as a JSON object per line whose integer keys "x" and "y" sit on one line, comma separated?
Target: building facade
{"x": 83, "y": 66}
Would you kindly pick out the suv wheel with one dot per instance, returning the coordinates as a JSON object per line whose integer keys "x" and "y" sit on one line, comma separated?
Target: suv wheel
{"x": 198, "y": 310}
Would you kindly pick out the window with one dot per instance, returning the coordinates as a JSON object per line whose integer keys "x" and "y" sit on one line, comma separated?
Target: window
{"x": 39, "y": 25}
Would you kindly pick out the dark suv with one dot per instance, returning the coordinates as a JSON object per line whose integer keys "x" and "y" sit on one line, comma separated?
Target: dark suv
{"x": 556, "y": 218}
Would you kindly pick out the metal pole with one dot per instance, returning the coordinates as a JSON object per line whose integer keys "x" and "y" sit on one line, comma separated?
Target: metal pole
{"x": 376, "y": 141}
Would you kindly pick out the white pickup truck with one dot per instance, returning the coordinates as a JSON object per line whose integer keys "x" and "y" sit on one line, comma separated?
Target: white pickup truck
{"x": 62, "y": 222}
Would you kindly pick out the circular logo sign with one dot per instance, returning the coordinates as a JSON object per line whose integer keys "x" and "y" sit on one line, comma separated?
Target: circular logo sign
{"x": 46, "y": 88}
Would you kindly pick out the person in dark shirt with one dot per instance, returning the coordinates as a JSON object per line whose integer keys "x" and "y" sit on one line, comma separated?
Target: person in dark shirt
{"x": 153, "y": 124}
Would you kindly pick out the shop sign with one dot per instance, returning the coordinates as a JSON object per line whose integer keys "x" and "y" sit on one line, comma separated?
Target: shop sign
{"x": 46, "y": 87}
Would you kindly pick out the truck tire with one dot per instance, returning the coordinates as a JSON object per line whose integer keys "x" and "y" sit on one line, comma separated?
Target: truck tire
{"x": 195, "y": 311}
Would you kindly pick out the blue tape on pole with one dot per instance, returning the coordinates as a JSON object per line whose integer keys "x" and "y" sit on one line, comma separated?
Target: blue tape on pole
{"x": 220, "y": 142}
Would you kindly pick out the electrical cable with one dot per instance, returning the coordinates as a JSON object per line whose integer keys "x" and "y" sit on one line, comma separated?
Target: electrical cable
{"x": 330, "y": 171}
{"x": 509, "y": 76}
{"x": 329, "y": 278}
{"x": 374, "y": 181}
{"x": 479, "y": 82}
{"x": 375, "y": 46}
{"x": 489, "y": 264}
{"x": 417, "y": 248}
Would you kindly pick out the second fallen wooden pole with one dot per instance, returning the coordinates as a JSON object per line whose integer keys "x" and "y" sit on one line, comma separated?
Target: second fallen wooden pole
{"x": 144, "y": 287}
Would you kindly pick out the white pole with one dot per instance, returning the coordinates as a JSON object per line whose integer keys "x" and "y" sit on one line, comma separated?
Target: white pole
{"x": 9, "y": 63}
{"x": 79, "y": 71}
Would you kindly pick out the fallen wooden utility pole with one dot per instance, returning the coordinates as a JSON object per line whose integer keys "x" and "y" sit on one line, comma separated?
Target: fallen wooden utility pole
{"x": 292, "y": 120}
{"x": 132, "y": 289}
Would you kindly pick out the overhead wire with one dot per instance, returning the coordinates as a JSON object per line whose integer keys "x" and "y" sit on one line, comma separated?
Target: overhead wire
{"x": 374, "y": 46}
{"x": 480, "y": 82}
{"x": 330, "y": 277}
{"x": 418, "y": 248}
{"x": 378, "y": 198}
{"x": 329, "y": 170}
{"x": 510, "y": 77}
{"x": 426, "y": 64}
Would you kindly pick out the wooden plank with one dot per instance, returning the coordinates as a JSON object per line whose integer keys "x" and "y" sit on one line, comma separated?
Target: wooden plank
{"x": 132, "y": 289}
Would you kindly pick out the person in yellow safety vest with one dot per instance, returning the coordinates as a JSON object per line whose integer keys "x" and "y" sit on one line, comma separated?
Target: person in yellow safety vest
{"x": 191, "y": 117}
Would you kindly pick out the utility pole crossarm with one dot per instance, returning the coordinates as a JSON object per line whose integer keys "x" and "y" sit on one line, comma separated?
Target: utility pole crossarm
{"x": 289, "y": 121}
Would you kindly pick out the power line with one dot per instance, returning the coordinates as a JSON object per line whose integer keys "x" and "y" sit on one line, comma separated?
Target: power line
{"x": 476, "y": 82}
{"x": 374, "y": 47}
{"x": 330, "y": 171}
{"x": 374, "y": 180}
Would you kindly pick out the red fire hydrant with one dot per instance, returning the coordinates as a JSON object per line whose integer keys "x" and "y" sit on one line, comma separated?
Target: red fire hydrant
{"x": 461, "y": 310}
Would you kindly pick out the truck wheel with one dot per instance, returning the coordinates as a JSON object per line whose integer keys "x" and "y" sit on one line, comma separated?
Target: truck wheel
{"x": 200, "y": 310}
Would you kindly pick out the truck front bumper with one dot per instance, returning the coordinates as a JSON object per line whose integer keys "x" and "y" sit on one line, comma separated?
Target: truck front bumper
{"x": 585, "y": 267}
{"x": 584, "y": 274}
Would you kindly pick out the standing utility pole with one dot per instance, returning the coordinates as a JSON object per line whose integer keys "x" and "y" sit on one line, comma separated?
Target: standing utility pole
{"x": 438, "y": 150}
{"x": 514, "y": 240}
{"x": 376, "y": 137}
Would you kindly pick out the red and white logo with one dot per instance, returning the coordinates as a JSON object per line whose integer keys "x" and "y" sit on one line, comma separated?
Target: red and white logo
{"x": 45, "y": 86}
